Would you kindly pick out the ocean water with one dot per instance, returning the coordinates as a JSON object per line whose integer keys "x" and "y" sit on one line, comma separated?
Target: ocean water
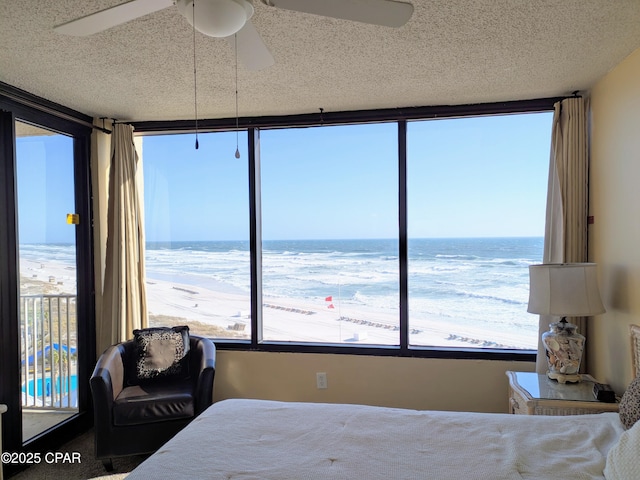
{"x": 476, "y": 282}
{"x": 58, "y": 252}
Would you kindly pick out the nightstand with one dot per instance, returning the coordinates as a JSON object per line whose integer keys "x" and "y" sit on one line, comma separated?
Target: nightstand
{"x": 536, "y": 394}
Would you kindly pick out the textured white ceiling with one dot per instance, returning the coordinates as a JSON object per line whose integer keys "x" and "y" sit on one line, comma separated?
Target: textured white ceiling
{"x": 450, "y": 52}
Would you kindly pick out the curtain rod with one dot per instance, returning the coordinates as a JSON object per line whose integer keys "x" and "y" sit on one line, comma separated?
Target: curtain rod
{"x": 346, "y": 117}
{"x": 53, "y": 111}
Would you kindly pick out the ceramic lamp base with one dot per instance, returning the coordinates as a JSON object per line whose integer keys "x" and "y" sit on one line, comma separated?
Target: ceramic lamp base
{"x": 562, "y": 378}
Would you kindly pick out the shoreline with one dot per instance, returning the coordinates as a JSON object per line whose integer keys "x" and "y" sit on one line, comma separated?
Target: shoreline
{"x": 223, "y": 314}
{"x": 290, "y": 319}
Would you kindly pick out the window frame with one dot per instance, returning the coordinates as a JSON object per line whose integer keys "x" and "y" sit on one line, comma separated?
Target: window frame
{"x": 400, "y": 116}
{"x": 18, "y": 105}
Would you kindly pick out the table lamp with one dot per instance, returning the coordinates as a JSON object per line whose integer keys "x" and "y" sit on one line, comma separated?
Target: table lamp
{"x": 564, "y": 290}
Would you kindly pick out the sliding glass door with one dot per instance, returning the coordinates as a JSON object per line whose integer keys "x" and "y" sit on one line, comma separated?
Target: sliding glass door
{"x": 47, "y": 313}
{"x": 48, "y": 282}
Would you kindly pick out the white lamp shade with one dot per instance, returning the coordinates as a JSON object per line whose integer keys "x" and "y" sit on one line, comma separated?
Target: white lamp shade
{"x": 564, "y": 289}
{"x": 217, "y": 18}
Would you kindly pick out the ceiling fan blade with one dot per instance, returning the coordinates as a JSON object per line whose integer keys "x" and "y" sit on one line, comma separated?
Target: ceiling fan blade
{"x": 387, "y": 13}
{"x": 110, "y": 17}
{"x": 252, "y": 51}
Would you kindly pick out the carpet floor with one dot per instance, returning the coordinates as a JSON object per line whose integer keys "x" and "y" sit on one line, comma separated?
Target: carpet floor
{"x": 88, "y": 468}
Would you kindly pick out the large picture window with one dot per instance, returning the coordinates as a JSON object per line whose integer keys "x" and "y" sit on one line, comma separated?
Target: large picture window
{"x": 413, "y": 236}
{"x": 476, "y": 191}
{"x": 330, "y": 235}
{"x": 197, "y": 233}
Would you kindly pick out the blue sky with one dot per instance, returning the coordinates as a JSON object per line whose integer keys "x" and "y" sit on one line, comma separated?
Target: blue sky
{"x": 467, "y": 178}
{"x": 470, "y": 177}
{"x": 45, "y": 189}
{"x": 487, "y": 176}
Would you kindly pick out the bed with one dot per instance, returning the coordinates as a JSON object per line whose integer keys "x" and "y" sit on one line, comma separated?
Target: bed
{"x": 241, "y": 439}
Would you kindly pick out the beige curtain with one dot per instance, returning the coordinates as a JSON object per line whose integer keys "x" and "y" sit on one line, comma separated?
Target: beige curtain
{"x": 567, "y": 199}
{"x": 124, "y": 305}
{"x": 100, "y": 160}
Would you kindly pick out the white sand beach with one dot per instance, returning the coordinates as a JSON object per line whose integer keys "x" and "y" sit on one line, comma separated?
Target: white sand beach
{"x": 46, "y": 277}
{"x": 288, "y": 319}
{"x": 284, "y": 319}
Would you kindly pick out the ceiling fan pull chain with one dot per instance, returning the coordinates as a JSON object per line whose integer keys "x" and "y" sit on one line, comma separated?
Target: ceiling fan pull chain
{"x": 195, "y": 77}
{"x": 235, "y": 39}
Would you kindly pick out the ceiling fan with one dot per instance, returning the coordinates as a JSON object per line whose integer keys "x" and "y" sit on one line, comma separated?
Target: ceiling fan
{"x": 224, "y": 18}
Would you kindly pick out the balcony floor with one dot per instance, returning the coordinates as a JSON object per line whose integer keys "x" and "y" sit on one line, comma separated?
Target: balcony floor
{"x": 36, "y": 421}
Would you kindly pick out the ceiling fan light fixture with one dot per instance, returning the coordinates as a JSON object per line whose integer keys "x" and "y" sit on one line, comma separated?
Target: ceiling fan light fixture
{"x": 217, "y": 18}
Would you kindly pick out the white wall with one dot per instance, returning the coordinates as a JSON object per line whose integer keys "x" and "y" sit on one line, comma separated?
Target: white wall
{"x": 418, "y": 383}
{"x": 614, "y": 238}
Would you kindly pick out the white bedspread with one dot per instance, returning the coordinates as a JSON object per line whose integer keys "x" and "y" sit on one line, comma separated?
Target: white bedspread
{"x": 253, "y": 439}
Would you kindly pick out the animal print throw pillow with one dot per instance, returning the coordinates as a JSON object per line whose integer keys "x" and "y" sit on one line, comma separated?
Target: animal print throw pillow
{"x": 161, "y": 352}
{"x": 629, "y": 407}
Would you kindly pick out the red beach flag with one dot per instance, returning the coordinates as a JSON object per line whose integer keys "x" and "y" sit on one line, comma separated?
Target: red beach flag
{"x": 331, "y": 306}
{"x": 328, "y": 299}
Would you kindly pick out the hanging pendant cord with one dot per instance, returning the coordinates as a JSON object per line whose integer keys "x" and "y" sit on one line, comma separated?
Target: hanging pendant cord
{"x": 195, "y": 77}
{"x": 235, "y": 41}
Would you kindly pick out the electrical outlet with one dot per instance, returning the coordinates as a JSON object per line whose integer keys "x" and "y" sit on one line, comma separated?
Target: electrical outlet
{"x": 321, "y": 380}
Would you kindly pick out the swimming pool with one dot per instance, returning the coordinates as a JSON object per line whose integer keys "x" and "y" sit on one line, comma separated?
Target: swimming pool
{"x": 44, "y": 384}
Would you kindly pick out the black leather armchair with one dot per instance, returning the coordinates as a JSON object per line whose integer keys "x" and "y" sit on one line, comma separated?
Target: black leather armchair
{"x": 139, "y": 419}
